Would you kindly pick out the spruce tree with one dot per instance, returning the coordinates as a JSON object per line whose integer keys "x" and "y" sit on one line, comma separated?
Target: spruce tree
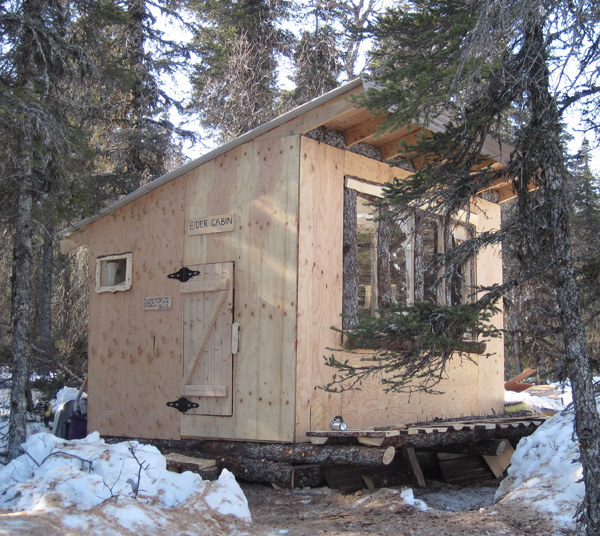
{"x": 131, "y": 132}
{"x": 474, "y": 61}
{"x": 44, "y": 66}
{"x": 235, "y": 80}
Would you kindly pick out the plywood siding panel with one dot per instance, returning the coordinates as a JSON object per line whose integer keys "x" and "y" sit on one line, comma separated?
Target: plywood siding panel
{"x": 489, "y": 271}
{"x": 134, "y": 354}
{"x": 258, "y": 182}
{"x": 319, "y": 280}
{"x": 472, "y": 387}
{"x": 372, "y": 407}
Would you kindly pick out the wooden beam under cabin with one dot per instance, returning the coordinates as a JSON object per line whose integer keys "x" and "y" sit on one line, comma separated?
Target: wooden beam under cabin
{"x": 74, "y": 241}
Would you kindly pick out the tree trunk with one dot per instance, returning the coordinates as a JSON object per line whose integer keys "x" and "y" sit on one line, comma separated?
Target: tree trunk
{"x": 21, "y": 287}
{"x": 350, "y": 259}
{"x": 46, "y": 290}
{"x": 301, "y": 452}
{"x": 384, "y": 274}
{"x": 553, "y": 179}
{"x": 419, "y": 268}
{"x": 281, "y": 474}
{"x": 451, "y": 280}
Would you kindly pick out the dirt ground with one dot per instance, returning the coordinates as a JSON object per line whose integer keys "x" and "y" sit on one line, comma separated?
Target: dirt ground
{"x": 322, "y": 511}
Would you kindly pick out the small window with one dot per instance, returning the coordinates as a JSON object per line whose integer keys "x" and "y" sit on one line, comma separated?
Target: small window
{"x": 113, "y": 273}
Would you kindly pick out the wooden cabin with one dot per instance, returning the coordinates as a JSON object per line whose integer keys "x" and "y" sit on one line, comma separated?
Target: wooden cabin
{"x": 220, "y": 281}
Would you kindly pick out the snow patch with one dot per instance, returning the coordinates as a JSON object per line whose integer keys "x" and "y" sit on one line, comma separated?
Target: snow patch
{"x": 545, "y": 472}
{"x": 99, "y": 482}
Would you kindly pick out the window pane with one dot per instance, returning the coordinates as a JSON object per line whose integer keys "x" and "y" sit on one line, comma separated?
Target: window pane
{"x": 430, "y": 251}
{"x": 365, "y": 237}
{"x": 115, "y": 272}
{"x": 398, "y": 267}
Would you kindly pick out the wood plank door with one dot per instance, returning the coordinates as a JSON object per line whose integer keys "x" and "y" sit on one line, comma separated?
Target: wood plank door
{"x": 207, "y": 332}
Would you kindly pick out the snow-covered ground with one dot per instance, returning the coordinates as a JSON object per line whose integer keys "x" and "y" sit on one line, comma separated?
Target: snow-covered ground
{"x": 88, "y": 485}
{"x": 122, "y": 489}
{"x": 545, "y": 472}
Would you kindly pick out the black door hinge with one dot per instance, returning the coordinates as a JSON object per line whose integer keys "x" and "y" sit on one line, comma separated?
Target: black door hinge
{"x": 183, "y": 404}
{"x": 184, "y": 274}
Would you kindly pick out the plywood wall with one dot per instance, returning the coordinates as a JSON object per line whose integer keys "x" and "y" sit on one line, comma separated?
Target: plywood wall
{"x": 489, "y": 271}
{"x": 134, "y": 354}
{"x": 319, "y": 281}
{"x": 258, "y": 182}
{"x": 473, "y": 387}
{"x": 372, "y": 407}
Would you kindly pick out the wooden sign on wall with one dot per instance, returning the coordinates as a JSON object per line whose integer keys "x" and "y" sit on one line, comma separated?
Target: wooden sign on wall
{"x": 211, "y": 224}
{"x": 157, "y": 303}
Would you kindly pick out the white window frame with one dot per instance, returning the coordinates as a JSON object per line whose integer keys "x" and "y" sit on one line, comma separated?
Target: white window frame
{"x": 121, "y": 287}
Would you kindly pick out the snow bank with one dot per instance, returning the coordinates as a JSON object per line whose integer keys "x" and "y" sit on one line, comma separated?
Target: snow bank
{"x": 544, "y": 471}
{"x": 540, "y": 402}
{"x": 88, "y": 473}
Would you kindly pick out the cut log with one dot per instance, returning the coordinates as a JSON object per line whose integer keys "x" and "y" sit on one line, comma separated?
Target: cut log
{"x": 281, "y": 474}
{"x": 350, "y": 478}
{"x": 303, "y": 453}
{"x": 489, "y": 448}
{"x": 178, "y": 463}
{"x": 463, "y": 468}
{"x": 385, "y": 480}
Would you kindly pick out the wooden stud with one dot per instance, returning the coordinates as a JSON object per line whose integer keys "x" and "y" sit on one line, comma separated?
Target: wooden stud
{"x": 398, "y": 146}
{"x": 359, "y": 166}
{"x": 364, "y": 131}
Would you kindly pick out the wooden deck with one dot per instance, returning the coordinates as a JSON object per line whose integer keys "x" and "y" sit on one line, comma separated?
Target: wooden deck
{"x": 433, "y": 435}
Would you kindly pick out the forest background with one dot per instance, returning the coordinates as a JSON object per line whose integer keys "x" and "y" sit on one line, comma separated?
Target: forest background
{"x": 87, "y": 93}
{"x": 107, "y": 86}
{"x": 85, "y": 116}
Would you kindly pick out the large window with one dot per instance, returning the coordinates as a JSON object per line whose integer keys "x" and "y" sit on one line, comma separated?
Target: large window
{"x": 381, "y": 251}
{"x": 387, "y": 261}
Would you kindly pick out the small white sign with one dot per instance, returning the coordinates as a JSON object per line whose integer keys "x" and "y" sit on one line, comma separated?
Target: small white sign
{"x": 211, "y": 224}
{"x": 157, "y": 303}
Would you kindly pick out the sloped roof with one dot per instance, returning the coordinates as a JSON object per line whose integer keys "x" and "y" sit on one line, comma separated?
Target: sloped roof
{"x": 334, "y": 110}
